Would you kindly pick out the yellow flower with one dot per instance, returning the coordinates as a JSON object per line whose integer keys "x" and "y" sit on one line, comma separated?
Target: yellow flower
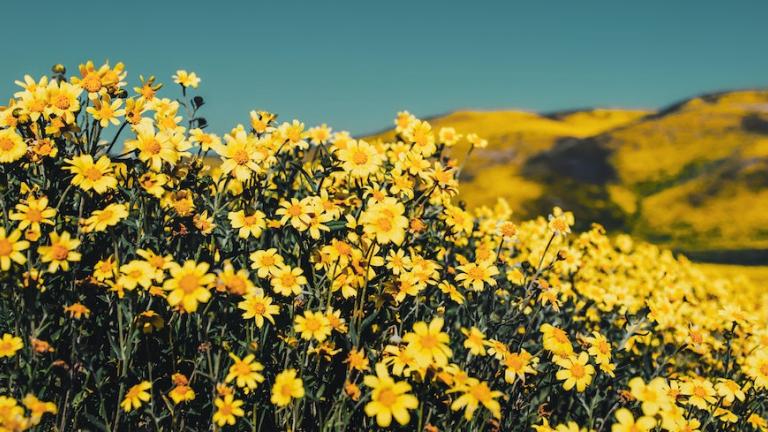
{"x": 700, "y": 391}
{"x": 312, "y": 325}
{"x": 560, "y": 222}
{"x": 158, "y": 262}
{"x": 475, "y": 276}
{"x": 245, "y": 372}
{"x": 63, "y": 100}
{"x": 296, "y": 212}
{"x": 400, "y": 359}
{"x": 181, "y": 393}
{"x": 730, "y": 391}
{"x": 11, "y": 248}
{"x": 427, "y": 344}
{"x": 227, "y": 410}
{"x": 240, "y": 155}
{"x": 453, "y": 293}
{"x": 475, "y": 340}
{"x": 60, "y": 252}
{"x": 109, "y": 216}
{"x": 205, "y": 140}
{"x": 154, "y": 183}
{"x": 90, "y": 175}
{"x": 77, "y": 310}
{"x": 476, "y": 141}
{"x": 105, "y": 269}
{"x": 258, "y": 306}
{"x": 653, "y": 395}
{"x": 9, "y": 344}
{"x": 136, "y": 273}
{"x": 189, "y": 285}
{"x": 627, "y": 422}
{"x": 389, "y": 398}
{"x": 286, "y": 280}
{"x": 136, "y": 395}
{"x": 32, "y": 213}
{"x": 260, "y": 121}
{"x": 359, "y": 159}
{"x": 599, "y": 348}
{"x": 357, "y": 360}
{"x": 106, "y": 111}
{"x": 757, "y": 368}
{"x": 758, "y": 422}
{"x": 266, "y": 262}
{"x": 556, "y": 340}
{"x": 448, "y": 136}
{"x": 519, "y": 364}
{"x": 286, "y": 388}
{"x": 725, "y": 415}
{"x": 248, "y": 226}
{"x": 12, "y": 146}
{"x": 186, "y": 79}
{"x": 319, "y": 134}
{"x": 155, "y": 148}
{"x": 38, "y": 408}
{"x": 335, "y": 320}
{"x": 293, "y": 134}
{"x": 385, "y": 221}
{"x": 575, "y": 371}
{"x": 474, "y": 393}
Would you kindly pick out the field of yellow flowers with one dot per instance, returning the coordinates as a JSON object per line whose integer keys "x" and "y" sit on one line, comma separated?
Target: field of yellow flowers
{"x": 312, "y": 281}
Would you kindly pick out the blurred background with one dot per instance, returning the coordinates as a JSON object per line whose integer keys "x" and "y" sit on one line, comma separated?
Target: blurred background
{"x": 648, "y": 117}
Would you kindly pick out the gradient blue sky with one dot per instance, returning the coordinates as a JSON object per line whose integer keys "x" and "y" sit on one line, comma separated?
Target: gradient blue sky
{"x": 353, "y": 64}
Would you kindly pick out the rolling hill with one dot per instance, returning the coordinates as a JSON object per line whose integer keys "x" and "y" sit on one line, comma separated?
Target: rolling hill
{"x": 692, "y": 176}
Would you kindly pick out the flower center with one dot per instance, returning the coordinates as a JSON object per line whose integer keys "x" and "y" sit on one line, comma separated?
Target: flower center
{"x": 91, "y": 83}
{"x": 384, "y": 224}
{"x": 6, "y": 144}
{"x": 250, "y": 220}
{"x": 153, "y": 146}
{"x": 387, "y": 397}
{"x": 189, "y": 283}
{"x": 481, "y": 392}
{"x": 294, "y": 210}
{"x": 37, "y": 105}
{"x": 62, "y": 102}
{"x": 5, "y": 247}
{"x": 259, "y": 308}
{"x": 699, "y": 391}
{"x": 476, "y": 273}
{"x": 105, "y": 215}
{"x": 92, "y": 173}
{"x": 242, "y": 368}
{"x": 286, "y": 390}
{"x": 360, "y": 158}
{"x": 241, "y": 157}
{"x": 59, "y": 252}
{"x": 225, "y": 410}
{"x": 312, "y": 324}
{"x": 428, "y": 341}
{"x": 288, "y": 279}
{"x": 577, "y": 371}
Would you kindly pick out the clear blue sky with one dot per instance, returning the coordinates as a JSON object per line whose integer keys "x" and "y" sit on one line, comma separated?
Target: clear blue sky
{"x": 353, "y": 64}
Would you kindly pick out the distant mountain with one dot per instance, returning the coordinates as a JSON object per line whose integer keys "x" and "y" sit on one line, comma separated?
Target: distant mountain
{"x": 692, "y": 176}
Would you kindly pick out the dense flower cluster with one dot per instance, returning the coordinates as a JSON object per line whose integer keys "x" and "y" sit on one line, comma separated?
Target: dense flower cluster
{"x": 159, "y": 277}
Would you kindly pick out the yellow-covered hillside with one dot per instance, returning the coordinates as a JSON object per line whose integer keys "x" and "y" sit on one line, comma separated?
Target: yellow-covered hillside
{"x": 676, "y": 176}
